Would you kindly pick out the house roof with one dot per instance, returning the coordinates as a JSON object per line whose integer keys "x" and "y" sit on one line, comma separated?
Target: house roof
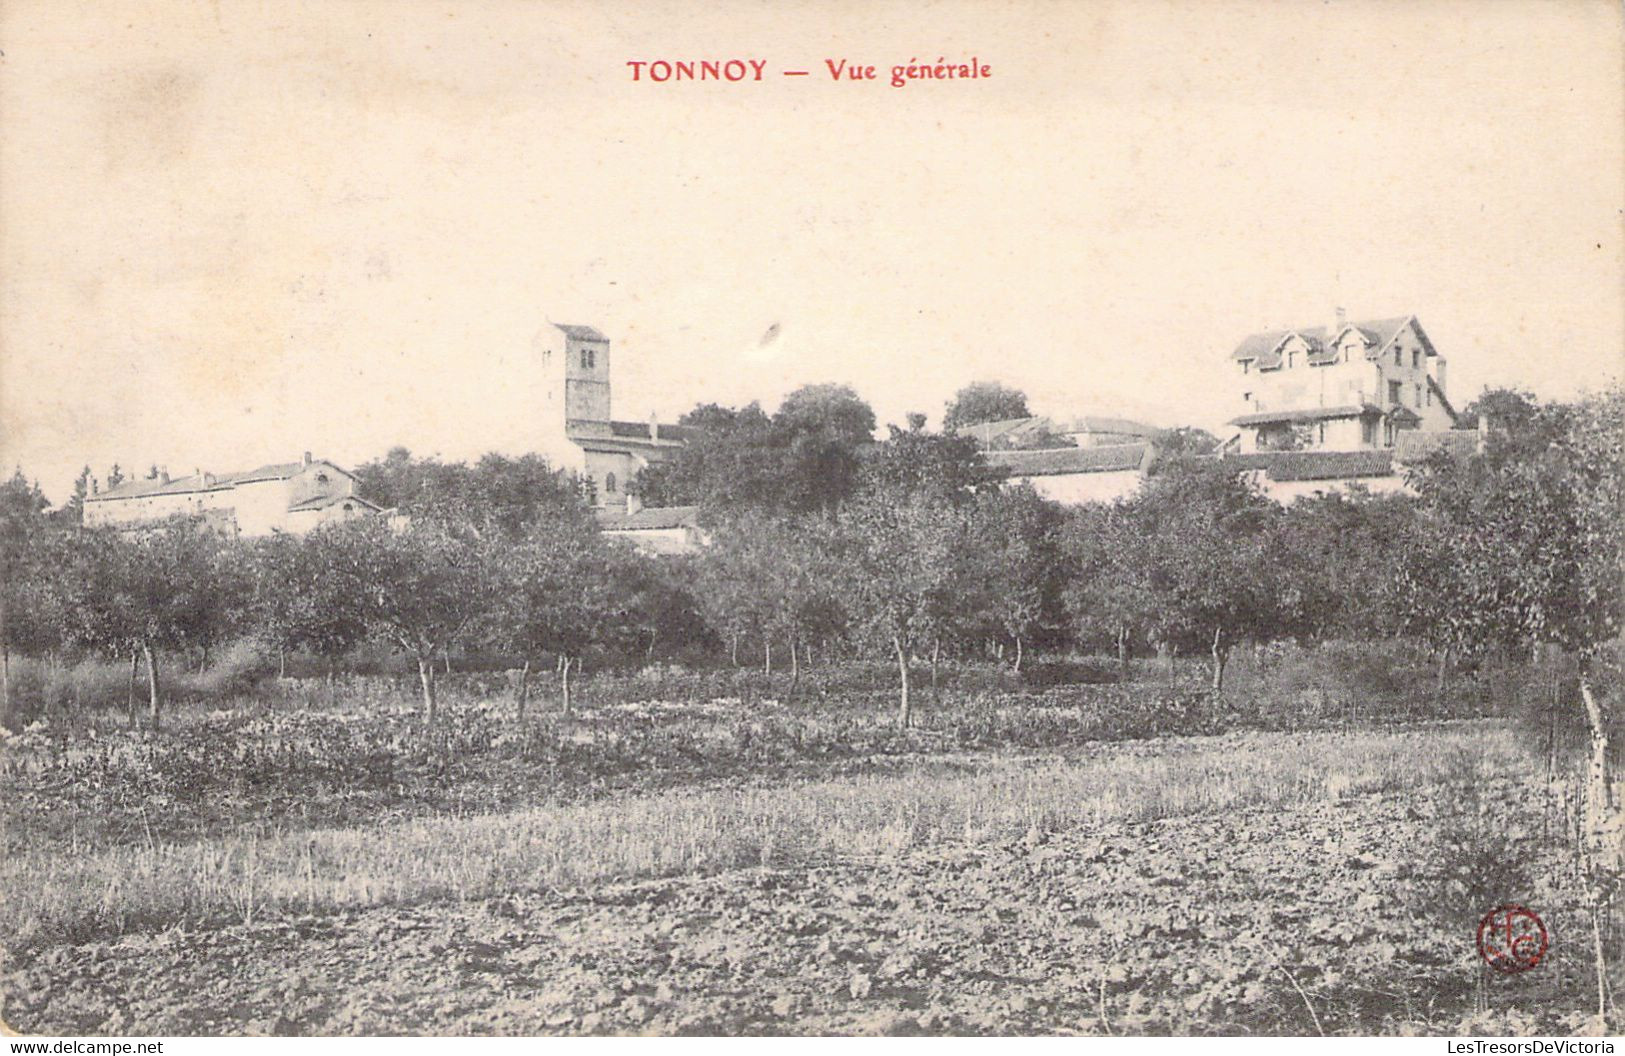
{"x": 1309, "y": 414}
{"x": 1414, "y": 445}
{"x": 581, "y": 333}
{"x": 137, "y": 489}
{"x": 322, "y": 502}
{"x": 1265, "y": 347}
{"x": 649, "y": 519}
{"x": 1092, "y": 423}
{"x": 985, "y": 433}
{"x": 1068, "y": 460}
{"x": 1316, "y": 465}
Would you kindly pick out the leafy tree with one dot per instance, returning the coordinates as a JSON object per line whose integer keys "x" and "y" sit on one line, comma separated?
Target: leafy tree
{"x": 1213, "y": 579}
{"x": 420, "y": 588}
{"x": 166, "y": 588}
{"x": 1107, "y": 594}
{"x": 115, "y": 477}
{"x": 1508, "y": 410}
{"x": 822, "y": 431}
{"x": 1186, "y": 441}
{"x": 74, "y": 511}
{"x": 296, "y": 604}
{"x": 497, "y": 494}
{"x": 555, "y": 593}
{"x": 24, "y": 610}
{"x": 915, "y": 461}
{"x": 984, "y": 401}
{"x": 1009, "y": 562}
{"x": 900, "y": 555}
{"x": 804, "y": 458}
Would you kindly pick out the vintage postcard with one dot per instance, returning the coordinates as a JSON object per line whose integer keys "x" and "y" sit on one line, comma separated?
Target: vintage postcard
{"x": 935, "y": 518}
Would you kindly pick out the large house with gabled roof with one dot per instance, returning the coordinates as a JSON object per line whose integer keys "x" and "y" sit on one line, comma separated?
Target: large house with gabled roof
{"x": 291, "y": 497}
{"x": 1349, "y": 386}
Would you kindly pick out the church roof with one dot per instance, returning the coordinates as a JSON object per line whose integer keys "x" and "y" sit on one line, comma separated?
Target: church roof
{"x": 581, "y": 333}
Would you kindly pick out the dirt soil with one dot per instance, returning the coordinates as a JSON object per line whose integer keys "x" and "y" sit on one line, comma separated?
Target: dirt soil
{"x": 1261, "y": 922}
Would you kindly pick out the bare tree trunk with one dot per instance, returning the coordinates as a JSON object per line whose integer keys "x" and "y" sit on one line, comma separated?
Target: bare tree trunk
{"x": 733, "y": 650}
{"x": 1017, "y": 667}
{"x": 281, "y": 662}
{"x": 524, "y": 690}
{"x": 154, "y": 695}
{"x": 1122, "y": 654}
{"x": 767, "y": 658}
{"x": 936, "y": 652}
{"x": 904, "y": 716}
{"x": 129, "y": 697}
{"x": 564, "y": 684}
{"x": 649, "y": 653}
{"x": 1603, "y": 854}
{"x": 5, "y": 676}
{"x": 446, "y": 657}
{"x": 1443, "y": 682}
{"x": 426, "y": 679}
{"x": 795, "y": 666}
{"x": 1220, "y": 655}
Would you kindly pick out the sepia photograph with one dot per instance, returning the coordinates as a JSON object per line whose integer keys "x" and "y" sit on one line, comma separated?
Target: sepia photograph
{"x": 930, "y": 518}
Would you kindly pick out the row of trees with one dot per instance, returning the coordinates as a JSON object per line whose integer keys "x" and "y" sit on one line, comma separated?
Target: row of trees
{"x": 911, "y": 550}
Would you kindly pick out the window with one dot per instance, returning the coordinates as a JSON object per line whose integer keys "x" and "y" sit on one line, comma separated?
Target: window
{"x": 609, "y": 483}
{"x": 1416, "y": 359}
{"x": 349, "y": 508}
{"x": 586, "y": 359}
{"x": 1321, "y": 432}
{"x": 321, "y": 478}
{"x": 1368, "y": 431}
{"x": 1394, "y": 393}
{"x": 1247, "y": 397}
{"x": 1430, "y": 397}
{"x": 1419, "y": 396}
{"x": 1246, "y": 366}
{"x": 1291, "y": 359}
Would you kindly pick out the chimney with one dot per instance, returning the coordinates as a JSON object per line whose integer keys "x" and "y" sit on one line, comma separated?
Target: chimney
{"x": 95, "y": 486}
{"x": 163, "y": 476}
{"x": 197, "y": 471}
{"x": 1438, "y": 373}
{"x": 307, "y": 458}
{"x": 1338, "y": 324}
{"x": 654, "y": 426}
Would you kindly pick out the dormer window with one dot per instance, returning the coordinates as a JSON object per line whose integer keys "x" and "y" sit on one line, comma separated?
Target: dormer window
{"x": 321, "y": 478}
{"x": 1291, "y": 358}
{"x": 1246, "y": 366}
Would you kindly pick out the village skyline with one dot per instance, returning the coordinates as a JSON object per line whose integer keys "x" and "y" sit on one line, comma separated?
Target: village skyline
{"x": 234, "y": 237}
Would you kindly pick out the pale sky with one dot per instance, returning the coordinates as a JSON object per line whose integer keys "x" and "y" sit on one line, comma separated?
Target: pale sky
{"x": 232, "y": 232}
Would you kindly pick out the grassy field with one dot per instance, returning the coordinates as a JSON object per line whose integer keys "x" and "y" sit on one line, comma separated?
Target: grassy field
{"x": 302, "y": 826}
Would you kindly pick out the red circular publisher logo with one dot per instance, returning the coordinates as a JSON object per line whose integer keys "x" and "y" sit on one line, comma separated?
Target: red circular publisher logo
{"x": 1511, "y": 939}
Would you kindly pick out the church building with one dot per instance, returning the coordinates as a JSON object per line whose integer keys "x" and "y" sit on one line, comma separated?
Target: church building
{"x": 579, "y": 431}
